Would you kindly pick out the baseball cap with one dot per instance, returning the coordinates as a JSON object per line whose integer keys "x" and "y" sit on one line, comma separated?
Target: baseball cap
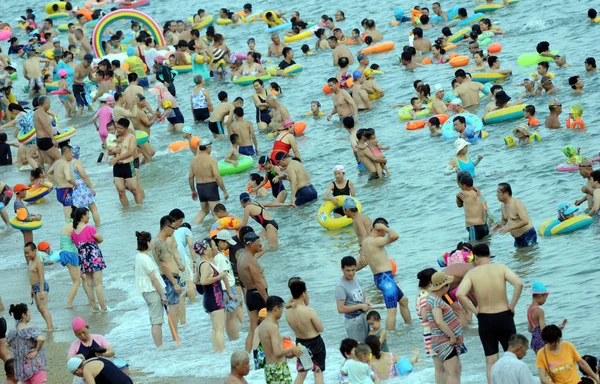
{"x": 250, "y": 238}
{"x": 361, "y": 56}
{"x": 339, "y": 168}
{"x": 88, "y": 57}
{"x": 349, "y": 203}
{"x": 43, "y": 246}
{"x": 20, "y": 187}
{"x": 78, "y": 324}
{"x": 564, "y": 209}
{"x": 539, "y": 289}
{"x": 73, "y": 364}
{"x": 244, "y": 197}
{"x": 225, "y": 235}
{"x": 187, "y": 129}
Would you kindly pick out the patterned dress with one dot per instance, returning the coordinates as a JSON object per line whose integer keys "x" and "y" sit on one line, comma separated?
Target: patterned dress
{"x": 21, "y": 342}
{"x": 421, "y": 299}
{"x": 82, "y": 195}
{"x": 440, "y": 342}
{"x": 89, "y": 251}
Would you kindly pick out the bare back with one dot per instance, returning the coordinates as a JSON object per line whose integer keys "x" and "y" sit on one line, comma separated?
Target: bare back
{"x": 489, "y": 287}
{"x": 300, "y": 320}
{"x": 202, "y": 168}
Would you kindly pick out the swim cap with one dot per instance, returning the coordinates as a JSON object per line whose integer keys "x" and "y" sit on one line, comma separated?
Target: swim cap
{"x": 349, "y": 203}
{"x": 159, "y": 59}
{"x": 73, "y": 364}
{"x": 539, "y": 289}
{"x": 368, "y": 73}
{"x": 130, "y": 51}
{"x": 187, "y": 129}
{"x": 339, "y": 168}
{"x": 244, "y": 197}
{"x": 63, "y": 73}
{"x": 262, "y": 313}
{"x": 361, "y": 56}
{"x": 250, "y": 238}
{"x": 78, "y": 324}
{"x": 288, "y": 123}
{"x": 200, "y": 246}
{"x": 76, "y": 151}
{"x": 356, "y": 75}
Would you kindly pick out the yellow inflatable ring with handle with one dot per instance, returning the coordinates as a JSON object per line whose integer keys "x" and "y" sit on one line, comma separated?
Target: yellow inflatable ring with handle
{"x": 327, "y": 221}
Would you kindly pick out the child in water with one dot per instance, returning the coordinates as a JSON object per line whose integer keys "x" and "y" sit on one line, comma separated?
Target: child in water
{"x": 374, "y": 320}
{"x": 536, "y": 317}
{"x": 111, "y": 141}
{"x": 358, "y": 368}
{"x": 434, "y": 127}
{"x": 233, "y": 154}
{"x": 67, "y": 99}
{"x": 315, "y": 110}
{"x": 38, "y": 179}
{"x": 417, "y": 107}
{"x": 529, "y": 114}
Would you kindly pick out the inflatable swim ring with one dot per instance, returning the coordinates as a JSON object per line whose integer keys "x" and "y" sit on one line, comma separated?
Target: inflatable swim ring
{"x": 324, "y": 214}
{"x": 61, "y": 6}
{"x": 378, "y": 48}
{"x": 141, "y": 137}
{"x": 206, "y": 22}
{"x": 486, "y": 77}
{"x": 135, "y": 4}
{"x": 178, "y": 146}
{"x": 504, "y": 114}
{"x": 25, "y": 138}
{"x": 25, "y": 225}
{"x": 36, "y": 194}
{"x": 552, "y": 227}
{"x": 533, "y": 138}
{"x": 221, "y": 21}
{"x": 296, "y": 68}
{"x": 248, "y": 80}
{"x": 473, "y": 19}
{"x": 278, "y": 27}
{"x": 244, "y": 163}
{"x": 472, "y": 120}
{"x": 458, "y": 36}
{"x": 300, "y": 36}
{"x": 573, "y": 167}
{"x": 459, "y": 61}
{"x": 182, "y": 68}
{"x": 415, "y": 124}
{"x": 404, "y": 112}
{"x": 534, "y": 58}
{"x": 58, "y": 15}
{"x": 65, "y": 135}
{"x": 224, "y": 223}
{"x": 441, "y": 117}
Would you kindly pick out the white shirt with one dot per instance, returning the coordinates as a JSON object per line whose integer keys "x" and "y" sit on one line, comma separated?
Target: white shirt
{"x": 150, "y": 54}
{"x": 144, "y": 266}
{"x": 224, "y": 265}
{"x": 510, "y": 370}
{"x": 181, "y": 235}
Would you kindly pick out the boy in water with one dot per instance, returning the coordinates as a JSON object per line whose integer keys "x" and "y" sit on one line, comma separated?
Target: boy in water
{"x": 417, "y": 106}
{"x": 39, "y": 286}
{"x": 245, "y": 130}
{"x": 233, "y": 154}
{"x": 529, "y": 114}
{"x": 469, "y": 198}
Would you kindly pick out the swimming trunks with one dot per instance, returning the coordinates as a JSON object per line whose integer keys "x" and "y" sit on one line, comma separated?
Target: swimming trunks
{"x": 136, "y": 163}
{"x": 216, "y": 128}
{"x": 36, "y": 84}
{"x": 124, "y": 171}
{"x": 172, "y": 296}
{"x": 527, "y": 239}
{"x": 278, "y": 373}
{"x": 246, "y": 150}
{"x": 208, "y": 192}
{"x": 342, "y": 118}
{"x": 254, "y": 301}
{"x": 65, "y": 196}
{"x": 45, "y": 143}
{"x": 495, "y": 328}
{"x": 316, "y": 347}
{"x": 143, "y": 82}
{"x": 201, "y": 114}
{"x": 36, "y": 288}
{"x": 478, "y": 232}
{"x": 2, "y": 328}
{"x": 259, "y": 357}
{"x": 391, "y": 292}
{"x": 80, "y": 95}
{"x": 305, "y": 195}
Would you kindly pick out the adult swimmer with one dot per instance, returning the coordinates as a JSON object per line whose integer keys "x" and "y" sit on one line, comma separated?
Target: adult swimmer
{"x": 97, "y": 370}
{"x": 87, "y": 344}
{"x": 285, "y": 142}
{"x": 467, "y": 90}
{"x": 257, "y": 211}
{"x": 585, "y": 170}
{"x": 515, "y": 218}
{"x": 274, "y": 176}
{"x": 303, "y": 192}
{"x": 279, "y": 113}
{"x": 343, "y": 104}
{"x": 361, "y": 223}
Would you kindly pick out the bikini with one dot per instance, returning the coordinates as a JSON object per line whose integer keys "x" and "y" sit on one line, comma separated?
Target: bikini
{"x": 393, "y": 370}
{"x": 260, "y": 219}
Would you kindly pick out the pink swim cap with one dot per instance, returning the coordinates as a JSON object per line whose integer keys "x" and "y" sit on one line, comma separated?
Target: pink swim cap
{"x": 62, "y": 73}
{"x": 288, "y": 123}
{"x": 78, "y": 324}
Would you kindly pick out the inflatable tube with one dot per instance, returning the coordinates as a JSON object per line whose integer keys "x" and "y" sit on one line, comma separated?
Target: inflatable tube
{"x": 486, "y": 77}
{"x": 182, "y": 68}
{"x": 25, "y": 225}
{"x": 534, "y": 58}
{"x": 63, "y": 28}
{"x": 65, "y": 135}
{"x": 87, "y": 14}
{"x": 62, "y": 5}
{"x": 53, "y": 86}
{"x": 573, "y": 167}
{"x": 178, "y": 146}
{"x": 377, "y": 48}
{"x": 442, "y": 118}
{"x": 279, "y": 27}
{"x": 206, "y": 22}
{"x": 473, "y": 19}
{"x": 25, "y": 138}
{"x": 494, "y": 48}
{"x": 459, "y": 61}
{"x": 375, "y": 96}
{"x": 224, "y": 223}
{"x": 93, "y": 4}
{"x": 36, "y": 194}
{"x": 299, "y": 128}
{"x": 324, "y": 214}
{"x": 248, "y": 80}
{"x": 504, "y": 114}
{"x": 533, "y": 138}
{"x": 300, "y": 36}
{"x": 472, "y": 120}
{"x": 296, "y": 68}
{"x": 485, "y": 35}
{"x": 141, "y": 137}
{"x": 58, "y": 15}
{"x": 92, "y": 24}
{"x": 553, "y": 227}
{"x": 415, "y": 124}
{"x": 276, "y": 19}
{"x": 60, "y": 92}
{"x": 253, "y": 17}
{"x": 125, "y": 14}
{"x": 221, "y": 21}
{"x": 135, "y": 4}
{"x": 404, "y": 112}
{"x": 244, "y": 163}
{"x": 458, "y": 36}
{"x": 488, "y": 8}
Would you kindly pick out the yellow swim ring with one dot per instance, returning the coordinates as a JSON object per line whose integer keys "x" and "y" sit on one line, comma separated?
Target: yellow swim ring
{"x": 25, "y": 225}
{"x": 327, "y": 221}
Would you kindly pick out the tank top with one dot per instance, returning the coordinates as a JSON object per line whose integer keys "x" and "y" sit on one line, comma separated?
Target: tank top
{"x": 341, "y": 192}
{"x": 466, "y": 167}
{"x": 199, "y": 100}
{"x": 280, "y": 146}
{"x": 110, "y": 373}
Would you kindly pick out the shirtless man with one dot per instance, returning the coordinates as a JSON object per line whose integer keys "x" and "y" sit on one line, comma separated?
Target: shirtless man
{"x": 552, "y": 120}
{"x": 82, "y": 70}
{"x": 437, "y": 9}
{"x": 487, "y": 282}
{"x": 303, "y": 191}
{"x": 39, "y": 286}
{"x": 85, "y": 48}
{"x": 339, "y": 50}
{"x": 307, "y": 327}
{"x": 361, "y": 223}
{"x": 217, "y": 117}
{"x": 360, "y": 95}
{"x": 406, "y": 59}
{"x": 42, "y": 121}
{"x": 240, "y": 367}
{"x": 64, "y": 183}
{"x": 143, "y": 122}
{"x": 205, "y": 180}
{"x": 169, "y": 262}
{"x": 585, "y": 170}
{"x": 595, "y": 185}
{"x": 469, "y": 198}
{"x": 276, "y": 47}
{"x": 421, "y": 45}
{"x": 252, "y": 276}
{"x": 515, "y": 218}
{"x": 438, "y": 106}
{"x": 547, "y": 86}
{"x": 245, "y": 130}
{"x": 120, "y": 111}
{"x": 276, "y": 368}
{"x": 32, "y": 71}
{"x": 343, "y": 104}
{"x": 371, "y": 30}
{"x": 467, "y": 90}
{"x": 132, "y": 91}
{"x": 279, "y": 113}
{"x": 123, "y": 169}
{"x": 374, "y": 255}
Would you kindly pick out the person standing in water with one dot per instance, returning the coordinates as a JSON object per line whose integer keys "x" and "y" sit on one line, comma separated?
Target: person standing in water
{"x": 257, "y": 211}
{"x": 374, "y": 255}
{"x": 39, "y": 285}
{"x": 303, "y": 192}
{"x": 63, "y": 179}
{"x": 123, "y": 164}
{"x": 339, "y": 187}
{"x": 515, "y": 218}
{"x": 361, "y": 223}
{"x": 536, "y": 318}
{"x": 487, "y": 282}
{"x": 469, "y": 198}
{"x": 240, "y": 367}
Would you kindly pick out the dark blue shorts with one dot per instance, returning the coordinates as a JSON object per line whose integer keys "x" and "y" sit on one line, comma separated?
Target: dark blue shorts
{"x": 143, "y": 82}
{"x": 387, "y": 285}
{"x": 80, "y": 95}
{"x": 306, "y": 195}
{"x": 248, "y": 150}
{"x": 36, "y": 288}
{"x": 176, "y": 117}
{"x": 527, "y": 239}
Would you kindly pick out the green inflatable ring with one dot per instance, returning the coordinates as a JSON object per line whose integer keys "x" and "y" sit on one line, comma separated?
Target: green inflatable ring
{"x": 244, "y": 164}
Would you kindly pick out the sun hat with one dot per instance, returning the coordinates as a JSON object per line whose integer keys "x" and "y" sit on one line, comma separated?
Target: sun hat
{"x": 501, "y": 98}
{"x": 339, "y": 168}
{"x": 74, "y": 363}
{"x": 460, "y": 144}
{"x": 225, "y": 235}
{"x": 439, "y": 280}
{"x": 78, "y": 324}
{"x": 523, "y": 129}
{"x": 539, "y": 289}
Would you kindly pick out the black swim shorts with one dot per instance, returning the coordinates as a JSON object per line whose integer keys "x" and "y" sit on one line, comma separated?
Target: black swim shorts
{"x": 316, "y": 346}
{"x": 208, "y": 192}
{"x": 201, "y": 114}
{"x": 124, "y": 171}
{"x": 45, "y": 143}
{"x": 254, "y": 301}
{"x": 496, "y": 328}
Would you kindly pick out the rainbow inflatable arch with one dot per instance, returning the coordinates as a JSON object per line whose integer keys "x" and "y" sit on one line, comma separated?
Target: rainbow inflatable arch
{"x": 125, "y": 14}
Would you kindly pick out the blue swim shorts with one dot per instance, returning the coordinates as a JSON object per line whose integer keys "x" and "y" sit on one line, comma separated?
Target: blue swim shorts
{"x": 391, "y": 292}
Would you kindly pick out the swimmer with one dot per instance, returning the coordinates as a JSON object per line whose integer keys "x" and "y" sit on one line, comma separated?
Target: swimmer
{"x": 461, "y": 161}
{"x": 437, "y": 9}
{"x": 522, "y": 134}
{"x": 279, "y": 114}
{"x": 276, "y": 47}
{"x": 216, "y": 120}
{"x": 555, "y": 108}
{"x": 245, "y": 131}
{"x": 467, "y": 90}
{"x": 595, "y": 185}
{"x": 273, "y": 175}
{"x": 434, "y": 127}
{"x": 306, "y": 50}
{"x": 529, "y": 114}
{"x": 315, "y": 109}
{"x": 233, "y": 154}
{"x": 577, "y": 85}
{"x": 372, "y": 31}
{"x": 303, "y": 192}
{"x": 471, "y": 200}
{"x": 420, "y": 44}
{"x": 547, "y": 86}
{"x": 561, "y": 62}
{"x": 63, "y": 179}
{"x": 406, "y": 59}
{"x": 343, "y": 104}
{"x": 288, "y": 60}
{"x": 363, "y": 62}
{"x": 438, "y": 105}
{"x": 480, "y": 65}
{"x": 515, "y": 218}
{"x": 257, "y": 211}
{"x": 543, "y": 49}
{"x": 255, "y": 183}
{"x": 494, "y": 64}
{"x": 590, "y": 64}
{"x": 486, "y": 25}
{"x": 529, "y": 86}
{"x": 371, "y": 85}
{"x": 339, "y": 51}
{"x": 339, "y": 187}
{"x": 39, "y": 285}
{"x": 462, "y": 15}
{"x": 200, "y": 100}
{"x": 359, "y": 93}
{"x": 416, "y": 107}
{"x": 535, "y": 315}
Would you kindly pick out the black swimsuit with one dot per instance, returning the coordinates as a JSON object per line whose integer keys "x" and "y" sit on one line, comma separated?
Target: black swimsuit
{"x": 276, "y": 187}
{"x": 110, "y": 374}
{"x": 341, "y": 192}
{"x": 260, "y": 219}
{"x": 263, "y": 114}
